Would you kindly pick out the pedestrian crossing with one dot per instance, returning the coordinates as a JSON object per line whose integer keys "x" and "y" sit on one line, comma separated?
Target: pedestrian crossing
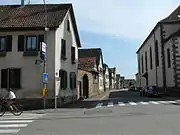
{"x": 10, "y": 124}
{"x": 132, "y": 103}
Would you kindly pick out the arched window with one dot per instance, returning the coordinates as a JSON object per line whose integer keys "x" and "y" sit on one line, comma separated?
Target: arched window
{"x": 63, "y": 76}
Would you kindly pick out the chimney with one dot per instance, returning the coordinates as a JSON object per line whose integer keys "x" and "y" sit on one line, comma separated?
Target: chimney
{"x": 22, "y": 2}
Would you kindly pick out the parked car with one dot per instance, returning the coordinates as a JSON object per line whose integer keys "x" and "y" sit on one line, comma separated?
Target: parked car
{"x": 153, "y": 92}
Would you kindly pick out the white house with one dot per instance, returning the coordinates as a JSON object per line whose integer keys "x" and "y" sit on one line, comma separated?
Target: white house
{"x": 154, "y": 68}
{"x": 106, "y": 76}
{"x": 22, "y": 29}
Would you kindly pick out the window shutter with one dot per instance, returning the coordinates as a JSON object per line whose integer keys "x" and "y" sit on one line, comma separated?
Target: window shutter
{"x": 63, "y": 47}
{"x": 8, "y": 43}
{"x": 65, "y": 79}
{"x": 21, "y": 43}
{"x": 40, "y": 39}
{"x": 70, "y": 80}
{"x": 4, "y": 77}
{"x": 72, "y": 54}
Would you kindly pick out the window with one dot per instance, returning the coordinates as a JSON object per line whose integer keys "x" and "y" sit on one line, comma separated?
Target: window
{"x": 30, "y": 43}
{"x": 146, "y": 61}
{"x": 2, "y": 44}
{"x": 63, "y": 48}
{"x": 68, "y": 25}
{"x": 142, "y": 64}
{"x": 11, "y": 78}
{"x": 151, "y": 58}
{"x": 6, "y": 43}
{"x": 157, "y": 53}
{"x": 72, "y": 77}
{"x": 168, "y": 58}
{"x": 72, "y": 55}
{"x": 63, "y": 76}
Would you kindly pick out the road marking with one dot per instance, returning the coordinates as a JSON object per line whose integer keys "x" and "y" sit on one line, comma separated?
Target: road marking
{"x": 163, "y": 102}
{"x": 110, "y": 104}
{"x": 121, "y": 104}
{"x": 9, "y": 131}
{"x": 144, "y": 103}
{"x": 17, "y": 121}
{"x": 99, "y": 105}
{"x": 173, "y": 102}
{"x": 154, "y": 102}
{"x": 13, "y": 125}
{"x": 132, "y": 103}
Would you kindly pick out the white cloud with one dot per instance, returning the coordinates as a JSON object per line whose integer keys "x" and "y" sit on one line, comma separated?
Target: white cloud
{"x": 122, "y": 18}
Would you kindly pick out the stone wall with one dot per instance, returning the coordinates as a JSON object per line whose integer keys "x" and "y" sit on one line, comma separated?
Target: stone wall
{"x": 93, "y": 83}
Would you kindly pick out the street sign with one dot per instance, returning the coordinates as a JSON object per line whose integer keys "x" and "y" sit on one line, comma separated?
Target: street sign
{"x": 45, "y": 77}
{"x": 43, "y": 47}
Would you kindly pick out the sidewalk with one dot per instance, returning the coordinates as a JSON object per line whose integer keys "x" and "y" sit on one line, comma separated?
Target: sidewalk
{"x": 101, "y": 96}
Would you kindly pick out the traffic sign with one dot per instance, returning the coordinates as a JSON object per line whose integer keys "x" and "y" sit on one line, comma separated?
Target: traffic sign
{"x": 43, "y": 47}
{"x": 45, "y": 77}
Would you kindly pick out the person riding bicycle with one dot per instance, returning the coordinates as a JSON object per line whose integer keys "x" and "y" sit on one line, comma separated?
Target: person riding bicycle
{"x": 10, "y": 97}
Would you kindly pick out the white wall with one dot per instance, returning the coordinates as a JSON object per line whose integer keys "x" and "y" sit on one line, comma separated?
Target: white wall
{"x": 152, "y": 72}
{"x": 170, "y": 70}
{"x": 31, "y": 74}
{"x": 101, "y": 86}
{"x": 66, "y": 64}
{"x": 107, "y": 78}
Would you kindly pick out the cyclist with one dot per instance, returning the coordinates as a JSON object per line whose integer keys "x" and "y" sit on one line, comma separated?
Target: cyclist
{"x": 10, "y": 97}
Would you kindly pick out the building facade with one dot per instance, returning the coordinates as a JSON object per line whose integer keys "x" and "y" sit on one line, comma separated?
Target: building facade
{"x": 20, "y": 47}
{"x": 91, "y": 60}
{"x": 155, "y": 54}
{"x": 112, "y": 78}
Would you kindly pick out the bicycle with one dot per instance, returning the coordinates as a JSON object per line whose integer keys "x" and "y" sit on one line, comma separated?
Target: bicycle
{"x": 15, "y": 108}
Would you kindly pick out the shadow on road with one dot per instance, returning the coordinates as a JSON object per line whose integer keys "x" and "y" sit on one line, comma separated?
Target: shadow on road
{"x": 124, "y": 96}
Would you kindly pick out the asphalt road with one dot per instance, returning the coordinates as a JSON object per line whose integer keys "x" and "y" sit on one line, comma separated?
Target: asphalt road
{"x": 138, "y": 116}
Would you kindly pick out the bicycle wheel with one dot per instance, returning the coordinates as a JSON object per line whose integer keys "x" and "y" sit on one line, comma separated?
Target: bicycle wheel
{"x": 16, "y": 109}
{"x": 2, "y": 110}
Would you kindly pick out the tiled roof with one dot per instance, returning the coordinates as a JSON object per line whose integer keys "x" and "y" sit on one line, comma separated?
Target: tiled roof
{"x": 87, "y": 64}
{"x": 90, "y": 52}
{"x": 173, "y": 17}
{"x": 33, "y": 16}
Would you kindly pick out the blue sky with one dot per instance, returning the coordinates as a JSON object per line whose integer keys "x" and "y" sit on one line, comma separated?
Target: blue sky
{"x": 117, "y": 26}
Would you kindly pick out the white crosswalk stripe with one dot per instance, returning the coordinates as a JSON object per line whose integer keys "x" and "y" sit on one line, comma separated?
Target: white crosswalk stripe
{"x": 173, "y": 102}
{"x": 10, "y": 124}
{"x": 121, "y": 104}
{"x": 144, "y": 103}
{"x": 163, "y": 102}
{"x": 132, "y": 103}
{"x": 99, "y": 105}
{"x": 110, "y": 104}
{"x": 154, "y": 102}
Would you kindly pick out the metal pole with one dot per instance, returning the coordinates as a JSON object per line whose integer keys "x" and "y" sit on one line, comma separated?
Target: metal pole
{"x": 45, "y": 59}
